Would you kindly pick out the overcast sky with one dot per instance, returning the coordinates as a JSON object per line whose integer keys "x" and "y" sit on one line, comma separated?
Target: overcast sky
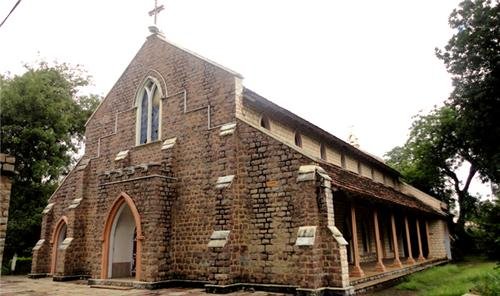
{"x": 366, "y": 64}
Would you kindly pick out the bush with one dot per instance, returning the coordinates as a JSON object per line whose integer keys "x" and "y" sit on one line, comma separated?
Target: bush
{"x": 5, "y": 270}
{"x": 23, "y": 266}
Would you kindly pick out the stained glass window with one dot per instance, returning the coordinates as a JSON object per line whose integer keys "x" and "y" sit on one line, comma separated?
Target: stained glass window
{"x": 144, "y": 118}
{"x": 155, "y": 115}
{"x": 149, "y": 113}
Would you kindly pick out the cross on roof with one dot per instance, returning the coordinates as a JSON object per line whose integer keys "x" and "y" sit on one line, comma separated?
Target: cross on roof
{"x": 156, "y": 10}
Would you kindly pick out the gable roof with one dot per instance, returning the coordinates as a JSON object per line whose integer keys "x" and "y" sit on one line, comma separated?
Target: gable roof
{"x": 161, "y": 37}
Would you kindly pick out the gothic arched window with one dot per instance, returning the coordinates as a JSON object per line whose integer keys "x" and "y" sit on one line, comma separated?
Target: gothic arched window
{"x": 148, "y": 112}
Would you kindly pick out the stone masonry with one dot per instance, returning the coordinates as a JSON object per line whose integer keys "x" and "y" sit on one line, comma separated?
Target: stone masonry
{"x": 7, "y": 170}
{"x": 217, "y": 200}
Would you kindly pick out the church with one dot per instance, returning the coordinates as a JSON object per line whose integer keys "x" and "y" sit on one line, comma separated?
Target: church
{"x": 190, "y": 179}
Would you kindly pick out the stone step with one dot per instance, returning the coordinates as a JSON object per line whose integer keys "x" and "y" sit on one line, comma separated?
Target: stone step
{"x": 111, "y": 287}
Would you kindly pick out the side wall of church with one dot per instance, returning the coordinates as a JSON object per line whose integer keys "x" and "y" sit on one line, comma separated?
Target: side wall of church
{"x": 271, "y": 208}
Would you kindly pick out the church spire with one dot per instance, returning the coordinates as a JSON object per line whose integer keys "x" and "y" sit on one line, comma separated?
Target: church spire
{"x": 156, "y": 10}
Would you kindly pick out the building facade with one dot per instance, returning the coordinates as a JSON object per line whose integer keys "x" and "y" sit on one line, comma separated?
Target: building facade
{"x": 190, "y": 178}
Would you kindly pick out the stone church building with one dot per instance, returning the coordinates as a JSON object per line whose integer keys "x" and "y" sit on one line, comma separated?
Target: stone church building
{"x": 189, "y": 178}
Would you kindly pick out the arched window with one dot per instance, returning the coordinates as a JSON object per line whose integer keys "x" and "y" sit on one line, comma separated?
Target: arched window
{"x": 322, "y": 151}
{"x": 298, "y": 139}
{"x": 148, "y": 112}
{"x": 264, "y": 122}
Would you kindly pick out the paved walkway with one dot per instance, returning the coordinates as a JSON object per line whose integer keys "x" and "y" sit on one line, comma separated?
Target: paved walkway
{"x": 21, "y": 285}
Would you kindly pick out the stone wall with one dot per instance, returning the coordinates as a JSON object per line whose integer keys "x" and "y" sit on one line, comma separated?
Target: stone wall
{"x": 311, "y": 147}
{"x": 276, "y": 206}
{"x": 216, "y": 199}
{"x": 199, "y": 100}
{"x": 6, "y": 172}
{"x": 439, "y": 240}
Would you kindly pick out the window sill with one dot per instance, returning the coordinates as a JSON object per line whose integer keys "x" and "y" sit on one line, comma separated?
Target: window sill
{"x": 146, "y": 144}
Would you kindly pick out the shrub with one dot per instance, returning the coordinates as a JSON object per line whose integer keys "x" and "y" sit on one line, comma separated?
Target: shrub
{"x": 23, "y": 266}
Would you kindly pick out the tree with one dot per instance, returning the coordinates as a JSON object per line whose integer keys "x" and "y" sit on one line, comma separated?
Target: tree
{"x": 487, "y": 228}
{"x": 472, "y": 57}
{"x": 42, "y": 124}
{"x": 467, "y": 127}
{"x": 431, "y": 157}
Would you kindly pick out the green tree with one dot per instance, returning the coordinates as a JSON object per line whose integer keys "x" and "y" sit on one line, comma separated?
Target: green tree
{"x": 467, "y": 127}
{"x": 472, "y": 57}
{"x": 431, "y": 157}
{"x": 487, "y": 228}
{"x": 42, "y": 120}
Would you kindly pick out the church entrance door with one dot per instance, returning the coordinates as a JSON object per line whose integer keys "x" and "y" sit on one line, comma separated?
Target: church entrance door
{"x": 58, "y": 237}
{"x": 121, "y": 252}
{"x": 122, "y": 240}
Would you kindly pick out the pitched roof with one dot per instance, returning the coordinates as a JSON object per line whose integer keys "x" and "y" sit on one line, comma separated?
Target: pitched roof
{"x": 369, "y": 190}
{"x": 299, "y": 123}
{"x": 160, "y": 36}
{"x": 347, "y": 181}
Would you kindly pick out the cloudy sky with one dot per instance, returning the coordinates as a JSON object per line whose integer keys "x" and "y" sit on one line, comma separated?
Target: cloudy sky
{"x": 366, "y": 66}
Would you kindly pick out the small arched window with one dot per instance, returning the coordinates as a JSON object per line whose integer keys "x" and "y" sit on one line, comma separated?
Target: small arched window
{"x": 322, "y": 151}
{"x": 148, "y": 112}
{"x": 264, "y": 122}
{"x": 298, "y": 139}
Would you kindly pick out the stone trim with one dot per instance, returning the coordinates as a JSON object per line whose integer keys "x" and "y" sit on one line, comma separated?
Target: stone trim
{"x": 224, "y": 182}
{"x": 48, "y": 208}
{"x": 337, "y": 235}
{"x": 168, "y": 143}
{"x": 308, "y": 173}
{"x": 39, "y": 244}
{"x": 121, "y": 155}
{"x": 306, "y": 236}
{"x": 65, "y": 244}
{"x": 219, "y": 238}
{"x": 227, "y": 129}
{"x": 82, "y": 164}
{"x": 75, "y": 203}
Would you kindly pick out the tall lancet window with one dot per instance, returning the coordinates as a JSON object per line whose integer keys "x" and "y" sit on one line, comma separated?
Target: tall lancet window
{"x": 148, "y": 112}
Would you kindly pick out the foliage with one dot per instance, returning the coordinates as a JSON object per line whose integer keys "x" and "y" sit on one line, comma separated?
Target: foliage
{"x": 486, "y": 228}
{"x": 23, "y": 266}
{"x": 489, "y": 285}
{"x": 460, "y": 278}
{"x": 431, "y": 157}
{"x": 472, "y": 57}
{"x": 42, "y": 123}
{"x": 466, "y": 128}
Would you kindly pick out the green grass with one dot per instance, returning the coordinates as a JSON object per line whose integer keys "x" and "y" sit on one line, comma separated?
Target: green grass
{"x": 450, "y": 279}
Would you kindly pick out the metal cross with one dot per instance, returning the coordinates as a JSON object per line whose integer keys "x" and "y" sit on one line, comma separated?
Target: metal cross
{"x": 156, "y": 10}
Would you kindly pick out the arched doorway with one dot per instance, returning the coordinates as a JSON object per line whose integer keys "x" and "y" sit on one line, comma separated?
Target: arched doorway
{"x": 121, "y": 251}
{"x": 58, "y": 237}
{"x": 122, "y": 240}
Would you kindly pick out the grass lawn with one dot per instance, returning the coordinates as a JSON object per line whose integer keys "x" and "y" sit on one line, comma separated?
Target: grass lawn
{"x": 447, "y": 280}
